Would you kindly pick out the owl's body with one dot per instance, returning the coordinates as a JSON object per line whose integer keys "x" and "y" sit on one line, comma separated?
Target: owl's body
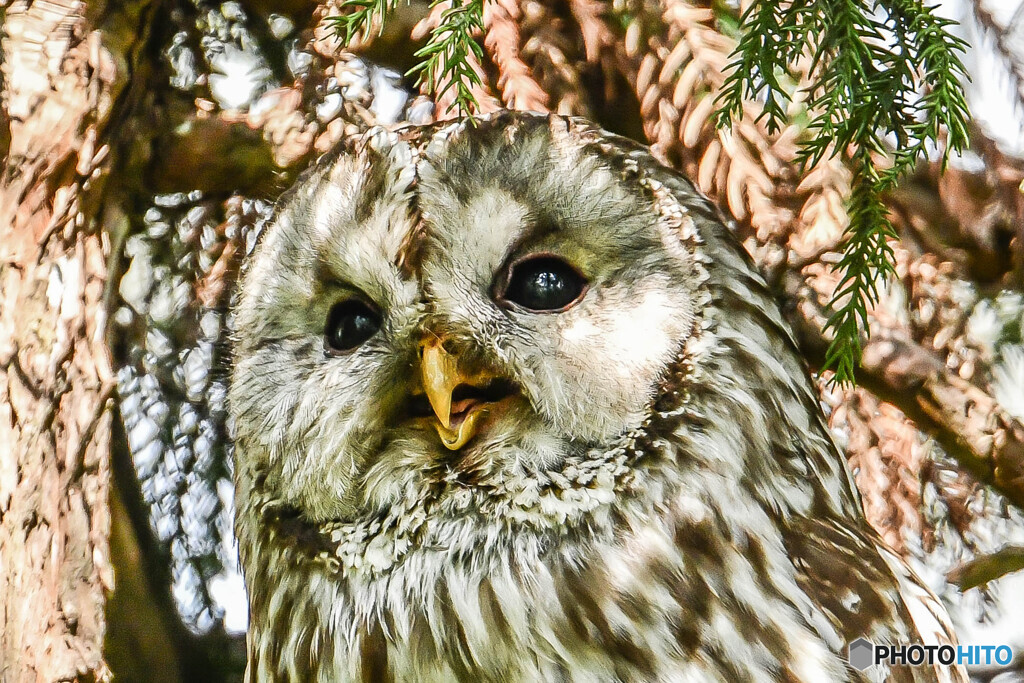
{"x": 512, "y": 405}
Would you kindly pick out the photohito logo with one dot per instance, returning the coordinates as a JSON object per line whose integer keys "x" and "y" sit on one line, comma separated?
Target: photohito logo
{"x": 863, "y": 654}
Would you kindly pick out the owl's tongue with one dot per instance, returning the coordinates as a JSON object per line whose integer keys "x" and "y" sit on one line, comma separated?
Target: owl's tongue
{"x": 464, "y": 418}
{"x": 459, "y": 408}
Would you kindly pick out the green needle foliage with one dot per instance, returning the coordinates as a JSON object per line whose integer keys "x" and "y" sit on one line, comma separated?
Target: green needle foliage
{"x": 445, "y": 54}
{"x": 445, "y": 57}
{"x": 886, "y": 80}
{"x": 360, "y": 17}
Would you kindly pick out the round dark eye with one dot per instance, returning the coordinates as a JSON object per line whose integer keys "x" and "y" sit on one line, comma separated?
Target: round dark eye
{"x": 349, "y": 324}
{"x": 544, "y": 283}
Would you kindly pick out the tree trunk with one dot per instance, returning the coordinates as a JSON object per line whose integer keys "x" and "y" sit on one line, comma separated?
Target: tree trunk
{"x": 55, "y": 376}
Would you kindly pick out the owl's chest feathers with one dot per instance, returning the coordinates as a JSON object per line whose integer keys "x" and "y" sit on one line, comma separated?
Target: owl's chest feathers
{"x": 614, "y": 568}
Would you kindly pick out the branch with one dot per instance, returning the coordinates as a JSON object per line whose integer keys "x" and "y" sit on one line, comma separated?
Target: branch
{"x": 215, "y": 154}
{"x": 968, "y": 423}
{"x": 981, "y": 570}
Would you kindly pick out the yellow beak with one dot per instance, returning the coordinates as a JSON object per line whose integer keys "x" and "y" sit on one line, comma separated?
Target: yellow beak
{"x": 440, "y": 371}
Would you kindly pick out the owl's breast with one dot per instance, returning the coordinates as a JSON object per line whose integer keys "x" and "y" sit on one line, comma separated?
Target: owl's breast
{"x": 611, "y": 571}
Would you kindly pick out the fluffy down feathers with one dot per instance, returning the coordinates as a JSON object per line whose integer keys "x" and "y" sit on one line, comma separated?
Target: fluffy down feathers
{"x": 657, "y": 499}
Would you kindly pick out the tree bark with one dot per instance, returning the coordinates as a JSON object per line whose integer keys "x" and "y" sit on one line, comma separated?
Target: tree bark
{"x": 55, "y": 375}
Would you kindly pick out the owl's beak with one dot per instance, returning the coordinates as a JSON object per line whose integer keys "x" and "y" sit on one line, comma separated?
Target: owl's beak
{"x": 441, "y": 377}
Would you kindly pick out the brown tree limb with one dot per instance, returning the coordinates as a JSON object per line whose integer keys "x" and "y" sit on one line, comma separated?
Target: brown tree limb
{"x": 213, "y": 154}
{"x": 981, "y": 570}
{"x": 966, "y": 421}
{"x": 55, "y": 377}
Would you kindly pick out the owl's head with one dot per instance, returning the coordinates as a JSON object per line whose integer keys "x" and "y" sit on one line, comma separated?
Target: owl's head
{"x": 469, "y": 301}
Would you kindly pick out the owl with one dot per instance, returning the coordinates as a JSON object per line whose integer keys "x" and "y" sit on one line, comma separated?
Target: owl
{"x": 512, "y": 404}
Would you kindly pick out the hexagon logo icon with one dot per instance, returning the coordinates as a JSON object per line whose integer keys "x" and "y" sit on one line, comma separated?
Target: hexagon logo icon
{"x": 861, "y": 654}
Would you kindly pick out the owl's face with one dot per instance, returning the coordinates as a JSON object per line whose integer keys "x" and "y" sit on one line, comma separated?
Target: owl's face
{"x": 470, "y": 303}
{"x": 511, "y": 403}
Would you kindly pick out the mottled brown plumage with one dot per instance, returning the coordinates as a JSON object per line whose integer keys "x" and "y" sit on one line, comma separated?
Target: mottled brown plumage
{"x": 638, "y": 483}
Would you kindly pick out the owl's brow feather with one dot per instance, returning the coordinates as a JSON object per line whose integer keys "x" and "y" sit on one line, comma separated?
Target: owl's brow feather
{"x": 409, "y": 257}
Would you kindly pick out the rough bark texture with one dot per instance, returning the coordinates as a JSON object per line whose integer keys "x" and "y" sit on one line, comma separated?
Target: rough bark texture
{"x": 55, "y": 378}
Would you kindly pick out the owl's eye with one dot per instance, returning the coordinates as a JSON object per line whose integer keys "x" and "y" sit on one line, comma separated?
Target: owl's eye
{"x": 349, "y": 324}
{"x": 543, "y": 284}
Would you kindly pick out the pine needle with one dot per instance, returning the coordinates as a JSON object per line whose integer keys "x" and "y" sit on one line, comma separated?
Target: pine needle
{"x": 886, "y": 82}
{"x": 445, "y": 59}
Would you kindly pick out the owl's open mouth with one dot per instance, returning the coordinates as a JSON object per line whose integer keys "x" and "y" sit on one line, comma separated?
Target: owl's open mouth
{"x": 469, "y": 405}
{"x": 458, "y": 394}
{"x": 464, "y": 397}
